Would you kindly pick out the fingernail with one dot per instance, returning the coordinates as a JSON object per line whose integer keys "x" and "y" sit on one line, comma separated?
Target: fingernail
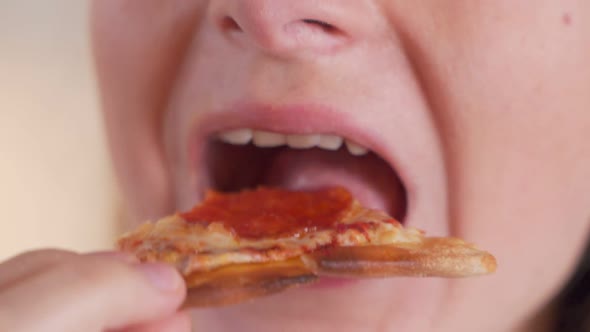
{"x": 162, "y": 277}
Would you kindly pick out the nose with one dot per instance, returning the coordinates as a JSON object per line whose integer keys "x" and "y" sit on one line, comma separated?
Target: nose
{"x": 285, "y": 28}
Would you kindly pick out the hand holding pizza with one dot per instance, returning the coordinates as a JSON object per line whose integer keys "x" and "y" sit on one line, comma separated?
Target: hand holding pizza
{"x": 52, "y": 290}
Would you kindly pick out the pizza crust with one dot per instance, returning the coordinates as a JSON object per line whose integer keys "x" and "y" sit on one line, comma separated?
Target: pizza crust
{"x": 240, "y": 282}
{"x": 431, "y": 257}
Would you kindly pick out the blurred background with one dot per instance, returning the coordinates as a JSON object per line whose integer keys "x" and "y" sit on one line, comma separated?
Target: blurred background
{"x": 56, "y": 185}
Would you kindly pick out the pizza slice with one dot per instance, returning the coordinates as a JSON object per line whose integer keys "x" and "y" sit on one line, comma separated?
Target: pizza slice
{"x": 238, "y": 246}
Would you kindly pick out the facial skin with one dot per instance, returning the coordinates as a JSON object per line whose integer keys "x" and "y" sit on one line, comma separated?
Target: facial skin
{"x": 483, "y": 107}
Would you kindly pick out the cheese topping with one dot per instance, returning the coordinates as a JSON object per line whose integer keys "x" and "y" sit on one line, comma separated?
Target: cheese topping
{"x": 261, "y": 226}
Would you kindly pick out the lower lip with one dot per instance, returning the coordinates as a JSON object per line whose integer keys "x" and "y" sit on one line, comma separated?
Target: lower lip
{"x": 331, "y": 283}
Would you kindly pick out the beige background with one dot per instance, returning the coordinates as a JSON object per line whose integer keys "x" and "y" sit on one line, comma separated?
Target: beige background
{"x": 56, "y": 186}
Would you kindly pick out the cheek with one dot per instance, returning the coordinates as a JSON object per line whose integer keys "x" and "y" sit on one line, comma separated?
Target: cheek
{"x": 513, "y": 113}
{"x": 138, "y": 46}
{"x": 515, "y": 119}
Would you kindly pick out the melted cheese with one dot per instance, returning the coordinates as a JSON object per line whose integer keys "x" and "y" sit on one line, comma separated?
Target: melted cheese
{"x": 195, "y": 247}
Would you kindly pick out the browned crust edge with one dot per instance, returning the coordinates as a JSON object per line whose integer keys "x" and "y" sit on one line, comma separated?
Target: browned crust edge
{"x": 240, "y": 282}
{"x": 433, "y": 257}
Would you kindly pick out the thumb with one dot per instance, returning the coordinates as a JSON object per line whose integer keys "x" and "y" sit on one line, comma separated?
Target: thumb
{"x": 93, "y": 294}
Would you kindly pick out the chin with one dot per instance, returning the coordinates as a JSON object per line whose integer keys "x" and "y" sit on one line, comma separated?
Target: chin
{"x": 401, "y": 304}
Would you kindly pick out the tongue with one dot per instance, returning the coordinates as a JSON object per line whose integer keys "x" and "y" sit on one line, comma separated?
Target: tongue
{"x": 368, "y": 178}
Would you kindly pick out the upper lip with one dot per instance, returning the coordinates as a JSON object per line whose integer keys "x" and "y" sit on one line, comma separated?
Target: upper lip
{"x": 291, "y": 119}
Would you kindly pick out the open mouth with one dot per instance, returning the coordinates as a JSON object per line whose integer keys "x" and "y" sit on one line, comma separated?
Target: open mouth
{"x": 244, "y": 158}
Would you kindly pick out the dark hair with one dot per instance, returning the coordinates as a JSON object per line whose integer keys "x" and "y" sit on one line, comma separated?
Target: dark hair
{"x": 573, "y": 304}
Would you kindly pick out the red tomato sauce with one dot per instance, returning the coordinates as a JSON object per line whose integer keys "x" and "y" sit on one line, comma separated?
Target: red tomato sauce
{"x": 269, "y": 212}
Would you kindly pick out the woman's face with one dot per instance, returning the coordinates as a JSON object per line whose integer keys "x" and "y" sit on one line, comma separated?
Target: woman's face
{"x": 480, "y": 109}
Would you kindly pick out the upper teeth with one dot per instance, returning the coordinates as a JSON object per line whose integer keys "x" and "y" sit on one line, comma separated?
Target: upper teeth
{"x": 356, "y": 149}
{"x": 267, "y": 139}
{"x": 237, "y": 136}
{"x": 303, "y": 141}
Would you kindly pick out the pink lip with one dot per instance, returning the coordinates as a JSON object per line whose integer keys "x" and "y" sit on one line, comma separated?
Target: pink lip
{"x": 303, "y": 118}
{"x": 330, "y": 283}
{"x": 291, "y": 119}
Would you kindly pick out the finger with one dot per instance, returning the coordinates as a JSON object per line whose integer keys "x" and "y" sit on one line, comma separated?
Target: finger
{"x": 30, "y": 263}
{"x": 179, "y": 322}
{"x": 19, "y": 268}
{"x": 94, "y": 293}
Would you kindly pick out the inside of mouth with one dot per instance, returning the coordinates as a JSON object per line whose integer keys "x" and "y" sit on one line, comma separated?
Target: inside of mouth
{"x": 369, "y": 178}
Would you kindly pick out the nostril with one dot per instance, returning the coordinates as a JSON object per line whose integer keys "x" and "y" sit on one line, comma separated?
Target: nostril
{"x": 276, "y": 34}
{"x": 326, "y": 27}
{"x": 229, "y": 24}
